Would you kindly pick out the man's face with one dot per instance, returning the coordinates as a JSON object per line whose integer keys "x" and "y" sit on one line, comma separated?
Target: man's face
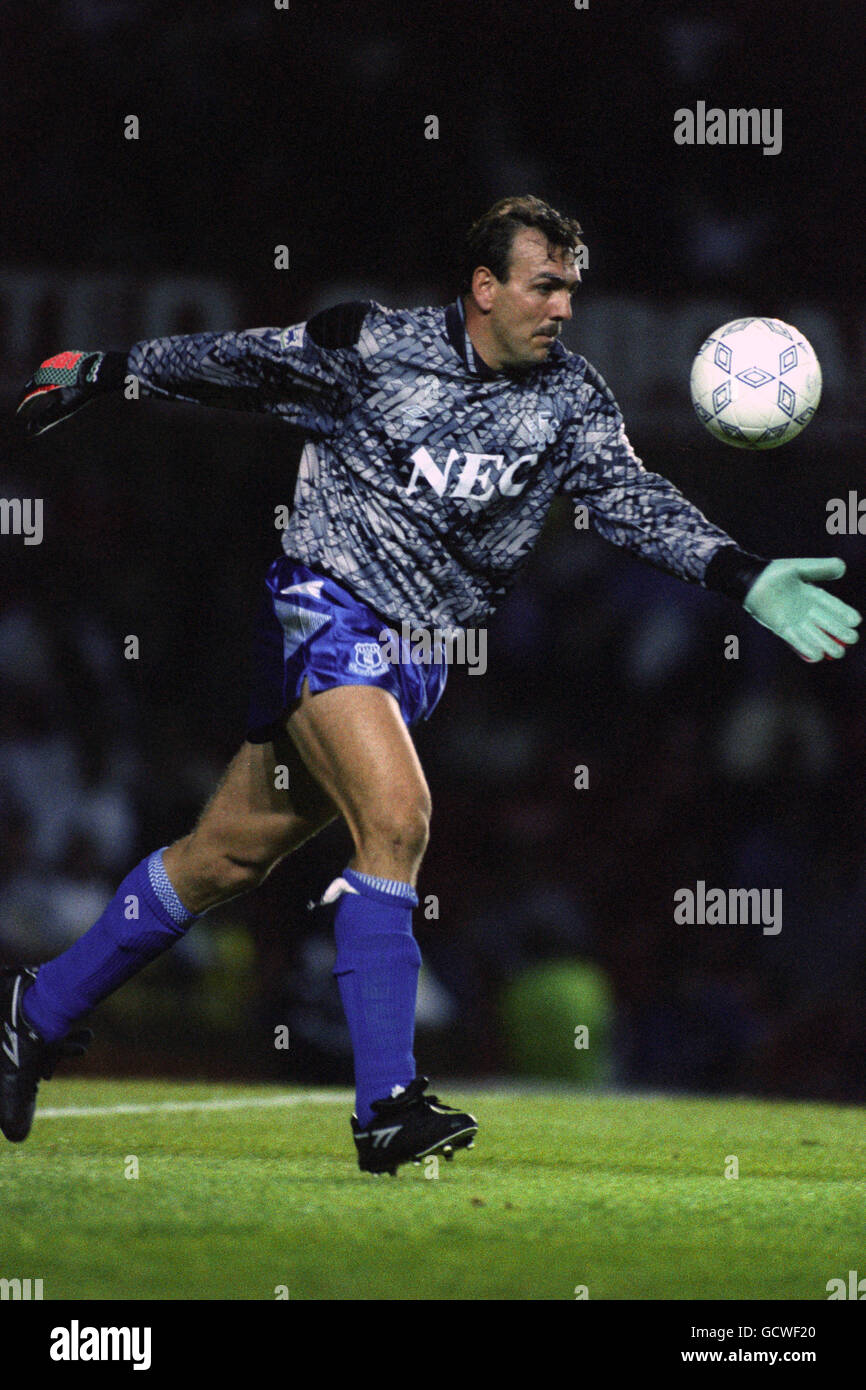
{"x": 525, "y": 314}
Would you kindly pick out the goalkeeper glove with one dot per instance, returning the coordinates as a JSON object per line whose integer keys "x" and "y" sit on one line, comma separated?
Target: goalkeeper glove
{"x": 65, "y": 383}
{"x": 786, "y": 599}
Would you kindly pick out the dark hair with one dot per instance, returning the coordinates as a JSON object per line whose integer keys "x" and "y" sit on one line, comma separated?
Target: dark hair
{"x": 488, "y": 241}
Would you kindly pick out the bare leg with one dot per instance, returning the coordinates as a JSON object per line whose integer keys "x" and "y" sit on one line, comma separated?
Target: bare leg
{"x": 347, "y": 752}
{"x": 358, "y": 750}
{"x": 355, "y": 745}
{"x": 248, "y": 825}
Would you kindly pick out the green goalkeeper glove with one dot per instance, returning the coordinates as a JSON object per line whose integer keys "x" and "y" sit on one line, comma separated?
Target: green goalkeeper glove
{"x": 786, "y": 599}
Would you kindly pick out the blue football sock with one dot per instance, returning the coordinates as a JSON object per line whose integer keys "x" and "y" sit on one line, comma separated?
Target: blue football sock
{"x": 143, "y": 919}
{"x": 377, "y": 973}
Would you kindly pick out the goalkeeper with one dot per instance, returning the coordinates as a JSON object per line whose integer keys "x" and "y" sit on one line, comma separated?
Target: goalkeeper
{"x": 437, "y": 439}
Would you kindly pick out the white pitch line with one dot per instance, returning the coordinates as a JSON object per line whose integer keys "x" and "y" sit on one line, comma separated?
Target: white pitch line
{"x": 170, "y": 1107}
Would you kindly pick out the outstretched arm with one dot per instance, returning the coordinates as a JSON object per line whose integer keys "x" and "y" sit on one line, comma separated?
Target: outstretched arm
{"x": 645, "y": 513}
{"x": 304, "y": 374}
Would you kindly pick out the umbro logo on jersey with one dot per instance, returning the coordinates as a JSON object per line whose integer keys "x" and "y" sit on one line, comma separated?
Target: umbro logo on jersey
{"x": 477, "y": 478}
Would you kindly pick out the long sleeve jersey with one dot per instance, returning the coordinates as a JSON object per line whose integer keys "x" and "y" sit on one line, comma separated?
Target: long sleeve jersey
{"x": 426, "y": 476}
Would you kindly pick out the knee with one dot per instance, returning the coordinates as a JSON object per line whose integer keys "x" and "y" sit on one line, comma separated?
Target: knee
{"x": 398, "y": 826}
{"x": 220, "y": 874}
{"x": 239, "y": 875}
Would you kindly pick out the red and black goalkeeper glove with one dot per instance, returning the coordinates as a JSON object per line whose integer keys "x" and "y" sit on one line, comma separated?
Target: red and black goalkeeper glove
{"x": 65, "y": 383}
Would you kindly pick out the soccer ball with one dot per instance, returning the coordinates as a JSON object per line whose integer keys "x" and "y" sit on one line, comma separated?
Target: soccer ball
{"x": 755, "y": 383}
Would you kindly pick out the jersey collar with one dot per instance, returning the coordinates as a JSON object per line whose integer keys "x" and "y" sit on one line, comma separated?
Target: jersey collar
{"x": 455, "y": 324}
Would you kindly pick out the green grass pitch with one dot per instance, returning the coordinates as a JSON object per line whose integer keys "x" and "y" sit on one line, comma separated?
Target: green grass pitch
{"x": 624, "y": 1195}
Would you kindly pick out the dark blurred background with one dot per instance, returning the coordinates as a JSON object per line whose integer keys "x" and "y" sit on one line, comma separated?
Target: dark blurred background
{"x": 306, "y": 127}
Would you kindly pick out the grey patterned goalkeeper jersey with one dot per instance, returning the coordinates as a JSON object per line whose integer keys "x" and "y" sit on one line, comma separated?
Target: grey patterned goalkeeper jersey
{"x": 426, "y": 476}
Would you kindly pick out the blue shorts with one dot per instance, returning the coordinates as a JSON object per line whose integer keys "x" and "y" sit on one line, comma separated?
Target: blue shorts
{"x": 311, "y": 628}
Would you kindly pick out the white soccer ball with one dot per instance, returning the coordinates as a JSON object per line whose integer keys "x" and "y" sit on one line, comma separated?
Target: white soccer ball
{"x": 755, "y": 383}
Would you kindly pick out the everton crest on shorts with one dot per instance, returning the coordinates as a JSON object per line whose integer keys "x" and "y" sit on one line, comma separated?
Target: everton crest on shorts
{"x": 367, "y": 660}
